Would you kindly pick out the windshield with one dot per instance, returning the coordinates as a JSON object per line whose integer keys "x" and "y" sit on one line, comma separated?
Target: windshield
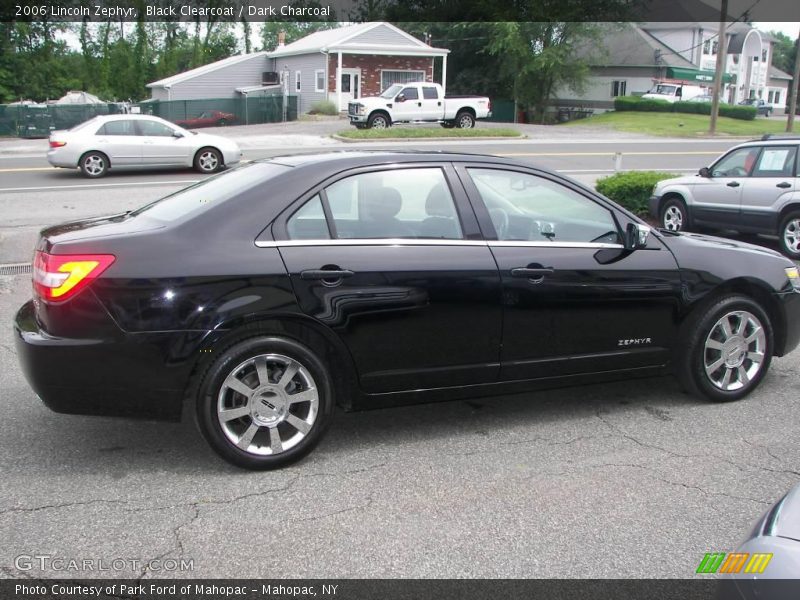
{"x": 211, "y": 191}
{"x": 392, "y": 91}
{"x": 666, "y": 90}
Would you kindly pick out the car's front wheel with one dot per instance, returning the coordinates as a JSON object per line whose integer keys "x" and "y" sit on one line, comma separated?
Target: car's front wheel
{"x": 725, "y": 349}
{"x": 265, "y": 403}
{"x": 208, "y": 160}
{"x": 674, "y": 216}
{"x": 789, "y": 235}
{"x": 94, "y": 164}
{"x": 378, "y": 121}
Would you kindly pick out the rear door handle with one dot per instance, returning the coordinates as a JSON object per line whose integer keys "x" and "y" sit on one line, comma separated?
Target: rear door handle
{"x": 326, "y": 274}
{"x": 734, "y": 184}
{"x": 535, "y": 274}
{"x": 784, "y": 184}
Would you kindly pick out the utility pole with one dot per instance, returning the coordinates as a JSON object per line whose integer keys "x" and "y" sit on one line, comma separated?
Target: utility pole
{"x": 722, "y": 55}
{"x": 795, "y": 85}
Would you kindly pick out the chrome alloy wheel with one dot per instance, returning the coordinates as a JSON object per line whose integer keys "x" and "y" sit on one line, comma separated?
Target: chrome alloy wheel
{"x": 94, "y": 164}
{"x": 673, "y": 218}
{"x": 379, "y": 122}
{"x": 208, "y": 161}
{"x": 734, "y": 350}
{"x": 791, "y": 235}
{"x": 267, "y": 404}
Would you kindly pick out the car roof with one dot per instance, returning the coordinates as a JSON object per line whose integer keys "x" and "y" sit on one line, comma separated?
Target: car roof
{"x": 355, "y": 157}
{"x": 128, "y": 116}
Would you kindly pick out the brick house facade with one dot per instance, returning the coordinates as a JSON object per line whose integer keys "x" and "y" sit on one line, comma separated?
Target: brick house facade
{"x": 372, "y": 66}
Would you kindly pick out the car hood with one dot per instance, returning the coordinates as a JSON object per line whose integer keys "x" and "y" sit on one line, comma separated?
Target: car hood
{"x": 700, "y": 241}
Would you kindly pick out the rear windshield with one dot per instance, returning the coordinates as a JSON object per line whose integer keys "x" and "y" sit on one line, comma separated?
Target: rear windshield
{"x": 210, "y": 192}
{"x": 85, "y": 123}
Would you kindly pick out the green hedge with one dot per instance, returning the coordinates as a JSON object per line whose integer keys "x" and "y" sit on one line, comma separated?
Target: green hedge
{"x": 631, "y": 189}
{"x": 744, "y": 113}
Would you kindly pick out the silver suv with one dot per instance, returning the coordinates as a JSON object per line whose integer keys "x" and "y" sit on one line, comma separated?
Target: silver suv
{"x": 752, "y": 188}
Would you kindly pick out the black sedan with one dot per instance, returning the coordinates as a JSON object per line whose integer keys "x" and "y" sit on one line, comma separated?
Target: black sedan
{"x": 268, "y": 294}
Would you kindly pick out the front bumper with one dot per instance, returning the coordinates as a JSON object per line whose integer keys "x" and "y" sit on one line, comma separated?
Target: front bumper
{"x": 357, "y": 118}
{"x": 120, "y": 376}
{"x": 652, "y": 205}
{"x": 789, "y": 305}
{"x": 231, "y": 156}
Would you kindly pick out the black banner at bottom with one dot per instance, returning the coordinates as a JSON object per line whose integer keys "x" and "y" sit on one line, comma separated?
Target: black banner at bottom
{"x": 400, "y": 589}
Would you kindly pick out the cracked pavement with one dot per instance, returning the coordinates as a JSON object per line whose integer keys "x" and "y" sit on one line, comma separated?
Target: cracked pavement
{"x": 631, "y": 479}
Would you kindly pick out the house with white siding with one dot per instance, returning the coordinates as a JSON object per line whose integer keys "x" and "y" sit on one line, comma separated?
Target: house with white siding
{"x": 339, "y": 64}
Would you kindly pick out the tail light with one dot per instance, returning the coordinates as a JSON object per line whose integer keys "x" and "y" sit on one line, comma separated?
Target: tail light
{"x": 58, "y": 277}
{"x": 55, "y": 144}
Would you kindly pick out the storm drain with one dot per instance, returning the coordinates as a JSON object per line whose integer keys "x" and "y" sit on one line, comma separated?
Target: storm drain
{"x": 15, "y": 269}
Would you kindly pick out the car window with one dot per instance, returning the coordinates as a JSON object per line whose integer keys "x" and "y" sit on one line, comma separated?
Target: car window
{"x": 121, "y": 127}
{"x": 524, "y": 207}
{"x": 776, "y": 162}
{"x": 430, "y": 93}
{"x": 397, "y": 203}
{"x": 410, "y": 93}
{"x": 738, "y": 163}
{"x": 308, "y": 223}
{"x": 155, "y": 128}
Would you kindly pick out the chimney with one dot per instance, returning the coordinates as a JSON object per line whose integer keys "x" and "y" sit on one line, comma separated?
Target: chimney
{"x": 281, "y": 39}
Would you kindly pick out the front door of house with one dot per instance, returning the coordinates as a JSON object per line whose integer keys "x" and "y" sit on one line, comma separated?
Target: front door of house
{"x": 350, "y": 86}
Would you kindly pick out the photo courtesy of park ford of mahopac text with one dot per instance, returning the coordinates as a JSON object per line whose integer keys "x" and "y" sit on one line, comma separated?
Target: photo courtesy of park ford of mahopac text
{"x": 399, "y": 299}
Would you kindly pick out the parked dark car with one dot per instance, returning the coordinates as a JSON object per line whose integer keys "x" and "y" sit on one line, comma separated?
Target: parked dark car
{"x": 209, "y": 118}
{"x": 273, "y": 291}
{"x": 762, "y": 108}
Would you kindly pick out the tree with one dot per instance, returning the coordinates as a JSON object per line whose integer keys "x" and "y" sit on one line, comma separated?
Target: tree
{"x": 783, "y": 51}
{"x": 294, "y": 31}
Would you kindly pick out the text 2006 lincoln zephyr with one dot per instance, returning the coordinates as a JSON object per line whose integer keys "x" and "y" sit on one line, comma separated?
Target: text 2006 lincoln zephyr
{"x": 266, "y": 295}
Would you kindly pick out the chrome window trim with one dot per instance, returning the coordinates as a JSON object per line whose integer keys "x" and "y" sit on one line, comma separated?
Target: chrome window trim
{"x": 424, "y": 242}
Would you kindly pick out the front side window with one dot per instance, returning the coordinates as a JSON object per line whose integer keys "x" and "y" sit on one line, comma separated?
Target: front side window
{"x": 410, "y": 93}
{"x": 308, "y": 223}
{"x": 738, "y": 163}
{"x": 776, "y": 162}
{"x": 524, "y": 207}
{"x": 400, "y": 203}
{"x": 155, "y": 128}
{"x": 121, "y": 127}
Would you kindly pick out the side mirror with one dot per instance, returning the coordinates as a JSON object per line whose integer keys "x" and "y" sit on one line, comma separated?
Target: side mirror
{"x": 636, "y": 235}
{"x": 177, "y": 134}
{"x": 704, "y": 172}
{"x": 400, "y": 98}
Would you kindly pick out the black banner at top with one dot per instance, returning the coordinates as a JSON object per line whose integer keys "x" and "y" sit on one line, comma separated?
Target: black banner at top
{"x": 399, "y": 10}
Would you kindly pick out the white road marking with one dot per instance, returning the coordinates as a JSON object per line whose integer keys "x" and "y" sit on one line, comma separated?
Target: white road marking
{"x": 97, "y": 185}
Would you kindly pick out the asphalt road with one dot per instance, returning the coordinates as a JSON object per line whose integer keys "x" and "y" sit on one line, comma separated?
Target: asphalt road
{"x": 633, "y": 479}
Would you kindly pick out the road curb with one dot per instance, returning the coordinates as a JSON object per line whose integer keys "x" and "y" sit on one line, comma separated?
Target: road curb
{"x": 430, "y": 139}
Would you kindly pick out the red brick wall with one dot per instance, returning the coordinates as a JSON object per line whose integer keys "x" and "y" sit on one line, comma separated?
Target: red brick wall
{"x": 371, "y": 67}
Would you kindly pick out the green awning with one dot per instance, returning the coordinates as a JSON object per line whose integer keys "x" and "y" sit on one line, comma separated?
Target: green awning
{"x": 697, "y": 75}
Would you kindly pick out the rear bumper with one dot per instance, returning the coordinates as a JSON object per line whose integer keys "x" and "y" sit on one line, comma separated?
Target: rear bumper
{"x": 789, "y": 303}
{"x": 58, "y": 158}
{"x": 125, "y": 376}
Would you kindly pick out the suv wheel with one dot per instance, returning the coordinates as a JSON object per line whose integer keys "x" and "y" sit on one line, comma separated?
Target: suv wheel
{"x": 726, "y": 349}
{"x": 674, "y": 216}
{"x": 265, "y": 403}
{"x": 789, "y": 235}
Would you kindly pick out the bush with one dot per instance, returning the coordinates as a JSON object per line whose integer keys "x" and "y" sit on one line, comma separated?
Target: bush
{"x": 744, "y": 113}
{"x": 323, "y": 107}
{"x": 632, "y": 189}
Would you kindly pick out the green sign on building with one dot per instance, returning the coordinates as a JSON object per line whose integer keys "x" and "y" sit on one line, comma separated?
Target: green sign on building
{"x": 697, "y": 75}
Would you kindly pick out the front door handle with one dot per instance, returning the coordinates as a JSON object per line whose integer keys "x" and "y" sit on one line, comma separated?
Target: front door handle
{"x": 784, "y": 184}
{"x": 533, "y": 274}
{"x": 734, "y": 184}
{"x": 327, "y": 274}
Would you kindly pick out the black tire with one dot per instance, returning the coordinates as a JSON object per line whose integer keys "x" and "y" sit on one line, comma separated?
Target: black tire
{"x": 693, "y": 355}
{"x": 674, "y": 215}
{"x": 361, "y": 125}
{"x": 222, "y": 123}
{"x": 210, "y": 397}
{"x": 378, "y": 121}
{"x": 94, "y": 164}
{"x": 208, "y": 160}
{"x": 789, "y": 235}
{"x": 448, "y": 124}
{"x": 465, "y": 120}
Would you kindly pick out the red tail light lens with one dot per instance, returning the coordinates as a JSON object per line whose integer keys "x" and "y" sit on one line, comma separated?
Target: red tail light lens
{"x": 58, "y": 277}
{"x": 54, "y": 144}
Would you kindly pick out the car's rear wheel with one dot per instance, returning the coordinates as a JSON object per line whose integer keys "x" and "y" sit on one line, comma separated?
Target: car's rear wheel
{"x": 674, "y": 215}
{"x": 208, "y": 160}
{"x": 465, "y": 120}
{"x": 222, "y": 123}
{"x": 725, "y": 349}
{"x": 265, "y": 403}
{"x": 789, "y": 235}
{"x": 448, "y": 124}
{"x": 94, "y": 164}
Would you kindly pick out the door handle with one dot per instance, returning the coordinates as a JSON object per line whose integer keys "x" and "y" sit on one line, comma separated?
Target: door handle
{"x": 784, "y": 184}
{"x": 331, "y": 274}
{"x": 419, "y": 104}
{"x": 733, "y": 184}
{"x": 535, "y": 275}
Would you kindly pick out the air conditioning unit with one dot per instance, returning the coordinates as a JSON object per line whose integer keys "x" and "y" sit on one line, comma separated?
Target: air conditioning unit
{"x": 270, "y": 78}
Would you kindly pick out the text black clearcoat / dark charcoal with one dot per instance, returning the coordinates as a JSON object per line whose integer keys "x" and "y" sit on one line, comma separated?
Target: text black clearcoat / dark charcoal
{"x": 415, "y": 321}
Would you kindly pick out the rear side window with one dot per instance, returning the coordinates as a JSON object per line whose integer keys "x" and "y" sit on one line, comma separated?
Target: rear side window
{"x": 430, "y": 93}
{"x": 122, "y": 127}
{"x": 776, "y": 162}
{"x": 309, "y": 222}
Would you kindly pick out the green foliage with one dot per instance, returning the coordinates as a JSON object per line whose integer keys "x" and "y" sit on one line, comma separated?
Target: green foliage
{"x": 294, "y": 30}
{"x": 323, "y": 107}
{"x": 783, "y": 51}
{"x": 634, "y": 103}
{"x": 631, "y": 189}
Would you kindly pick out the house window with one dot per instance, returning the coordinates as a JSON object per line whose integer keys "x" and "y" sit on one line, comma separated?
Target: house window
{"x": 618, "y": 88}
{"x": 707, "y": 47}
{"x": 297, "y": 81}
{"x": 764, "y": 55}
{"x": 319, "y": 80}
{"x": 391, "y": 77}
{"x": 714, "y": 47}
{"x": 777, "y": 99}
{"x": 755, "y": 59}
{"x": 770, "y": 96}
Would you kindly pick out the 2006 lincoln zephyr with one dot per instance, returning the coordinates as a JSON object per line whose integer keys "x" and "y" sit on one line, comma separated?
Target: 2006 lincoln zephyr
{"x": 268, "y": 293}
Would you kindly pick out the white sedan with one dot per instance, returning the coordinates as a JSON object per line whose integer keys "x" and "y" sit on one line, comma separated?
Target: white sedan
{"x": 138, "y": 141}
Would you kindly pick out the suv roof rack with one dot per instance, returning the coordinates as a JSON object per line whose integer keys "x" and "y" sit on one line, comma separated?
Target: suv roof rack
{"x": 772, "y": 136}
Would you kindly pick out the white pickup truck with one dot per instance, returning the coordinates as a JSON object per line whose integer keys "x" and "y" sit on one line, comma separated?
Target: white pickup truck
{"x": 418, "y": 102}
